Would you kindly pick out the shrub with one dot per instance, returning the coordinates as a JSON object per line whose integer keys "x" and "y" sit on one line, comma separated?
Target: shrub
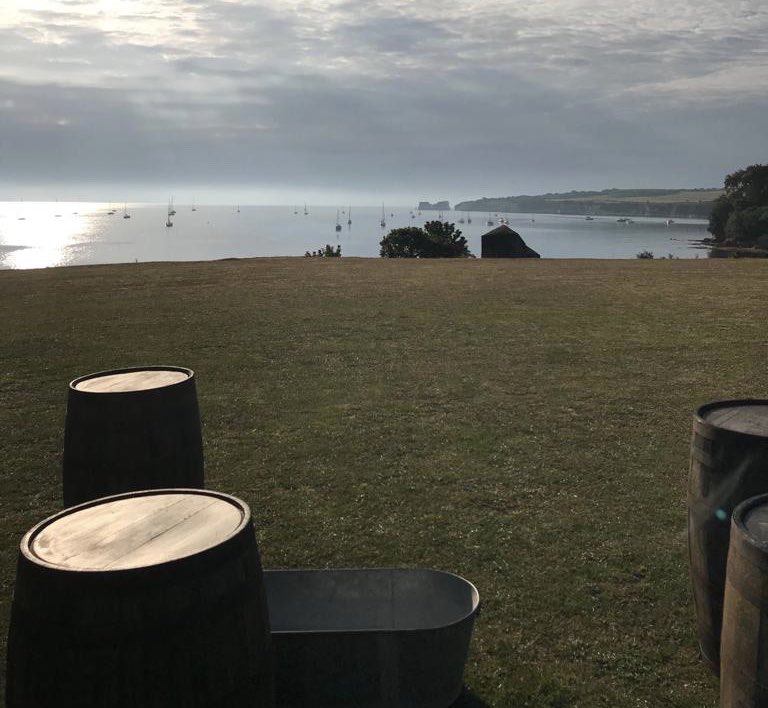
{"x": 327, "y": 252}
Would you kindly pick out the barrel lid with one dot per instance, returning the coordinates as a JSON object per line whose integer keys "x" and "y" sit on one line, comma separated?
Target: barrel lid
{"x": 127, "y": 380}
{"x": 756, "y": 522}
{"x": 749, "y": 416}
{"x": 135, "y": 530}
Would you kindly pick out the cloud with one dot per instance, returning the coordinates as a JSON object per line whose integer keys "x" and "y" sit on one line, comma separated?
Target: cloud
{"x": 479, "y": 93}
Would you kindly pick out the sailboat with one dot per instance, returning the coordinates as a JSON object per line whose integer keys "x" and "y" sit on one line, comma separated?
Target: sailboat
{"x": 305, "y": 209}
{"x": 383, "y": 220}
{"x": 171, "y": 212}
{"x": 194, "y": 208}
{"x": 349, "y": 214}
{"x": 238, "y": 208}
{"x": 469, "y": 219}
{"x": 490, "y": 221}
{"x": 126, "y": 215}
{"x": 338, "y": 224}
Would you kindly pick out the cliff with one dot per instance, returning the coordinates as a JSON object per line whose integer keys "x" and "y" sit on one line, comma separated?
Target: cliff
{"x": 437, "y": 206}
{"x": 664, "y": 203}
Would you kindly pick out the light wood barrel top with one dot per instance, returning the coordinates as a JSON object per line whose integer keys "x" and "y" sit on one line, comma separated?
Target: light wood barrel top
{"x": 126, "y": 381}
{"x": 746, "y": 418}
{"x": 756, "y": 522}
{"x": 136, "y": 531}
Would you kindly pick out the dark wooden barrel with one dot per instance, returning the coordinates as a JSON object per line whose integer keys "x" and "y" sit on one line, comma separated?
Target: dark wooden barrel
{"x": 131, "y": 429}
{"x": 143, "y": 600}
{"x": 729, "y": 463}
{"x": 744, "y": 659}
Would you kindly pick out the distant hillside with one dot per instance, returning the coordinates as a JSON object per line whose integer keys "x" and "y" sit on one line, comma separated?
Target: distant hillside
{"x": 682, "y": 203}
{"x": 437, "y": 206}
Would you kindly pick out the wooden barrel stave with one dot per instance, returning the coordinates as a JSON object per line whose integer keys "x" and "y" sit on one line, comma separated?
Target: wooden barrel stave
{"x": 125, "y": 441}
{"x": 192, "y": 632}
{"x": 744, "y": 659}
{"x": 726, "y": 467}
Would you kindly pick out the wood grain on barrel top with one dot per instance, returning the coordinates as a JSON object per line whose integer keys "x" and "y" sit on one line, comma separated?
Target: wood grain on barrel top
{"x": 137, "y": 531}
{"x": 748, "y": 418}
{"x": 756, "y": 523}
{"x": 132, "y": 381}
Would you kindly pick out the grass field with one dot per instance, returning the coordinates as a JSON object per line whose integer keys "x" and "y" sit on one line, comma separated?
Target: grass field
{"x": 522, "y": 423}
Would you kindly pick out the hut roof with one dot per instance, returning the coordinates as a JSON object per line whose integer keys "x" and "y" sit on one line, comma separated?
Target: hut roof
{"x": 513, "y": 244}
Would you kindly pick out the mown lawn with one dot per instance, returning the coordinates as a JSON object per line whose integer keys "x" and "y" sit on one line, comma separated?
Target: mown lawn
{"x": 522, "y": 423}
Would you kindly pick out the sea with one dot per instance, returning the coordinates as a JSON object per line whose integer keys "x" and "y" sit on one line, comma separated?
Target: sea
{"x": 52, "y": 234}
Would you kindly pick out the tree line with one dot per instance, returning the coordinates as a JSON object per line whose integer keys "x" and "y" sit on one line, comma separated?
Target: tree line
{"x": 739, "y": 217}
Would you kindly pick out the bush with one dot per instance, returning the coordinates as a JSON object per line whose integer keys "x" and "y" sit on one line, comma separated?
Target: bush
{"x": 327, "y": 252}
{"x": 645, "y": 254}
{"x": 435, "y": 240}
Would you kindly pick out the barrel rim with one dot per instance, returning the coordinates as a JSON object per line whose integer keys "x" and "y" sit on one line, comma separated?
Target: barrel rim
{"x": 129, "y": 370}
{"x": 705, "y": 408}
{"x": 737, "y": 519}
{"x": 26, "y": 551}
{"x": 474, "y": 612}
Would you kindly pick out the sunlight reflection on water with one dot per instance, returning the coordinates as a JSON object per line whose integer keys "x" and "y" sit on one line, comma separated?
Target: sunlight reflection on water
{"x": 43, "y": 234}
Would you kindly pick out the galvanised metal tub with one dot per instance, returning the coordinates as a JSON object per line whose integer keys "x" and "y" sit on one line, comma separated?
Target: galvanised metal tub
{"x": 369, "y": 637}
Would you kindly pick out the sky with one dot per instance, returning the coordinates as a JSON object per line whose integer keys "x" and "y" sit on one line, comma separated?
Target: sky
{"x": 364, "y": 101}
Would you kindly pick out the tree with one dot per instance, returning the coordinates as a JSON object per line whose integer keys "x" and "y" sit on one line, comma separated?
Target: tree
{"x": 718, "y": 217}
{"x": 740, "y": 216}
{"x": 435, "y": 240}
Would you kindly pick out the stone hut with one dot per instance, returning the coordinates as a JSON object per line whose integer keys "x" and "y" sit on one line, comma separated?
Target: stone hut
{"x": 502, "y": 242}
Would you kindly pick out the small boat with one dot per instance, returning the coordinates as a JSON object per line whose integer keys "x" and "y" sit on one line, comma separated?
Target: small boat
{"x": 490, "y": 221}
{"x": 349, "y": 215}
{"x": 469, "y": 219}
{"x": 171, "y": 212}
{"x": 194, "y": 208}
{"x": 338, "y": 224}
{"x": 589, "y": 218}
{"x": 238, "y": 208}
{"x": 622, "y": 220}
{"x": 669, "y": 221}
{"x": 305, "y": 209}
{"x": 126, "y": 215}
{"x": 383, "y": 220}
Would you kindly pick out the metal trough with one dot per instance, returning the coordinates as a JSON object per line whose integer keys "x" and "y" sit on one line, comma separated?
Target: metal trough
{"x": 369, "y": 637}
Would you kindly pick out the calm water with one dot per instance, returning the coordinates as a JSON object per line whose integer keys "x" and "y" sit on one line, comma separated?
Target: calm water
{"x": 43, "y": 234}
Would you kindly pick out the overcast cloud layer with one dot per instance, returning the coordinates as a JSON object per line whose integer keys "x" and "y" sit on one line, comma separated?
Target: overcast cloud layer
{"x": 400, "y": 99}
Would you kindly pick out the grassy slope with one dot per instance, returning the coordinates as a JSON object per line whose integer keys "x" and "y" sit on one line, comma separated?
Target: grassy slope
{"x": 523, "y": 423}
{"x": 682, "y": 196}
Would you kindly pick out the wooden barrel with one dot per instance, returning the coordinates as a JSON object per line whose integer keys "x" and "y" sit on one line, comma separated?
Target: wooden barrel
{"x": 131, "y": 429}
{"x": 744, "y": 659}
{"x": 143, "y": 600}
{"x": 729, "y": 463}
